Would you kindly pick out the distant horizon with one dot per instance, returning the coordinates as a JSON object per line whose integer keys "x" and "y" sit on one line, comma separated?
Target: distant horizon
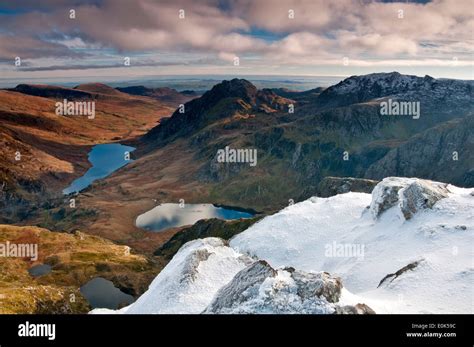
{"x": 152, "y": 80}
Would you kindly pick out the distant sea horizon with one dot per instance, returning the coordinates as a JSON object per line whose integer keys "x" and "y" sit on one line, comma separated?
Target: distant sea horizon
{"x": 198, "y": 83}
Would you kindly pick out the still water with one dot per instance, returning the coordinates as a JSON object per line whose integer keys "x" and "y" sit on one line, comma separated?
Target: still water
{"x": 105, "y": 159}
{"x": 169, "y": 215}
{"x": 101, "y": 293}
{"x": 39, "y": 270}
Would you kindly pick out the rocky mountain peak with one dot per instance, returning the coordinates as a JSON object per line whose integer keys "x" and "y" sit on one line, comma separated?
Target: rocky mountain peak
{"x": 358, "y": 89}
{"x": 235, "y": 88}
{"x": 225, "y": 99}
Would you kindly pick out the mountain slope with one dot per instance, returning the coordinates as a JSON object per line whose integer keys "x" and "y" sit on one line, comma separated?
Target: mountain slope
{"x": 178, "y": 158}
{"x": 224, "y": 100}
{"x": 305, "y": 236}
{"x": 388, "y": 261}
{"x": 207, "y": 276}
{"x": 164, "y": 94}
{"x": 428, "y": 90}
{"x": 446, "y": 150}
{"x": 53, "y": 149}
{"x": 188, "y": 282}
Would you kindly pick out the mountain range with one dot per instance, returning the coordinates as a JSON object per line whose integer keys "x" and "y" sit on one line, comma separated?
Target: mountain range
{"x": 300, "y": 138}
{"x": 178, "y": 158}
{"x": 326, "y": 142}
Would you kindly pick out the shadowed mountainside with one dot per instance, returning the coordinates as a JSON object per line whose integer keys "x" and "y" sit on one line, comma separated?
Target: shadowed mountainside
{"x": 164, "y": 94}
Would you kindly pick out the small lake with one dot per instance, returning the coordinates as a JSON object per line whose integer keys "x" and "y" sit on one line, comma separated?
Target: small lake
{"x": 168, "y": 215}
{"x": 101, "y": 293}
{"x": 39, "y": 270}
{"x": 105, "y": 159}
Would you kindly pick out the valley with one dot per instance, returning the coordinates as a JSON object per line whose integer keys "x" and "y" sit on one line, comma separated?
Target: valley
{"x": 178, "y": 159}
{"x": 230, "y": 165}
{"x": 320, "y": 142}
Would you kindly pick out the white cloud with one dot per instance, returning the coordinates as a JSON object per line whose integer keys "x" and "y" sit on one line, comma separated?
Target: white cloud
{"x": 322, "y": 32}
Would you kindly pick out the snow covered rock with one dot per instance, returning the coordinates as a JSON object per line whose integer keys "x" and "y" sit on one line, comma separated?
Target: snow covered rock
{"x": 385, "y": 195}
{"x": 319, "y": 284}
{"x": 243, "y": 286}
{"x": 308, "y": 235}
{"x": 261, "y": 289}
{"x": 356, "y": 309}
{"x": 435, "y": 93}
{"x": 410, "y": 194}
{"x": 389, "y": 264}
{"x": 421, "y": 194}
{"x": 190, "y": 280}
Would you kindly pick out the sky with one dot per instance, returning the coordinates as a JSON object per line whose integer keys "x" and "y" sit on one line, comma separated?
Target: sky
{"x": 94, "y": 39}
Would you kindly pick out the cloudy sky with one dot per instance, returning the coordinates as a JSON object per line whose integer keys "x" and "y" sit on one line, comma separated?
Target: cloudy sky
{"x": 269, "y": 37}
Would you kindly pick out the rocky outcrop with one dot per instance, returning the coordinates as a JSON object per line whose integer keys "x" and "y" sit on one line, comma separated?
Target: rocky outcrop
{"x": 419, "y": 195}
{"x": 261, "y": 289}
{"x": 358, "y": 89}
{"x": 356, "y": 309}
{"x": 226, "y": 99}
{"x": 241, "y": 287}
{"x": 190, "y": 280}
{"x": 410, "y": 195}
{"x": 319, "y": 284}
{"x": 385, "y": 195}
{"x": 330, "y": 186}
{"x": 444, "y": 153}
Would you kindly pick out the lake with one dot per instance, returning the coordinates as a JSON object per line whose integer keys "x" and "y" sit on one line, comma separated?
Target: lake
{"x": 170, "y": 215}
{"x": 101, "y": 293}
{"x": 105, "y": 159}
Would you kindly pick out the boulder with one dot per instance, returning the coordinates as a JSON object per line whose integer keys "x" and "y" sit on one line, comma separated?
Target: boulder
{"x": 419, "y": 195}
{"x": 410, "y": 195}
{"x": 356, "y": 309}
{"x": 238, "y": 290}
{"x": 260, "y": 289}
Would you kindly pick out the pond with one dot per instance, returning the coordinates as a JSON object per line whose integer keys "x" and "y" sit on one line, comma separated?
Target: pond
{"x": 170, "y": 215}
{"x": 101, "y": 293}
{"x": 39, "y": 270}
{"x": 105, "y": 159}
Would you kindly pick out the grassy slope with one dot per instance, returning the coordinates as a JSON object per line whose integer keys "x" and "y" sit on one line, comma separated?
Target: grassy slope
{"x": 54, "y": 148}
{"x": 75, "y": 259}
